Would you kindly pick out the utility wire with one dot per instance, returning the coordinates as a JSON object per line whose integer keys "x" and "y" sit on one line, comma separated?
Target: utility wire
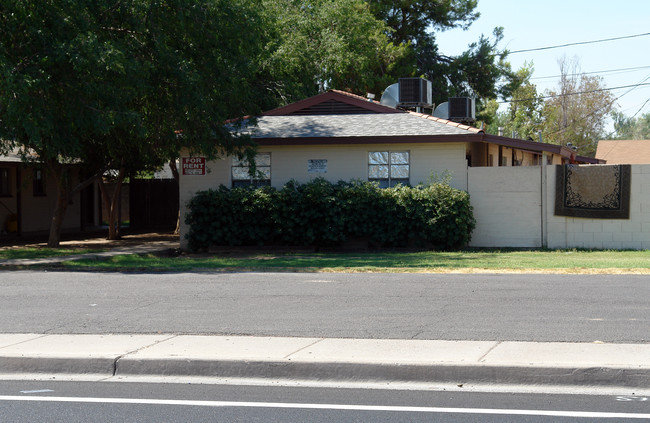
{"x": 640, "y": 108}
{"x": 541, "y": 97}
{"x": 591, "y": 73}
{"x": 632, "y": 117}
{"x": 578, "y": 43}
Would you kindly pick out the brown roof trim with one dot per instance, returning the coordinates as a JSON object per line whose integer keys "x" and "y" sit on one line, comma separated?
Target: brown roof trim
{"x": 590, "y": 160}
{"x": 479, "y": 136}
{"x": 405, "y": 139}
{"x": 540, "y": 147}
{"x": 528, "y": 145}
{"x": 341, "y": 96}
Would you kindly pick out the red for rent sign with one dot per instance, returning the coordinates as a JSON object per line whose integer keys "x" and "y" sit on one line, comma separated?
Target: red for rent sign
{"x": 193, "y": 165}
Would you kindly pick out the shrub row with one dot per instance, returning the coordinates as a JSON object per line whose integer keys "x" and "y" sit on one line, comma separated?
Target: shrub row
{"x": 321, "y": 213}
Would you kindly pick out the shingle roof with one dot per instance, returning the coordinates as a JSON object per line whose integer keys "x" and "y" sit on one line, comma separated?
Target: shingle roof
{"x": 11, "y": 157}
{"x": 361, "y": 125}
{"x": 624, "y": 151}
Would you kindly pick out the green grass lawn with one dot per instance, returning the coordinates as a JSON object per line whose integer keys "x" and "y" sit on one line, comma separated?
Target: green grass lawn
{"x": 34, "y": 253}
{"x": 572, "y": 261}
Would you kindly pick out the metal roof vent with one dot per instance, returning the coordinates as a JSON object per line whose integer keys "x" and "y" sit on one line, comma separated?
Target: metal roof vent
{"x": 415, "y": 92}
{"x": 390, "y": 97}
{"x": 442, "y": 110}
{"x": 462, "y": 109}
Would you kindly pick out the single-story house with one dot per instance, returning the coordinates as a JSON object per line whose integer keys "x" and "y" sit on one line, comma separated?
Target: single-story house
{"x": 342, "y": 136}
{"x": 624, "y": 151}
{"x": 28, "y": 199}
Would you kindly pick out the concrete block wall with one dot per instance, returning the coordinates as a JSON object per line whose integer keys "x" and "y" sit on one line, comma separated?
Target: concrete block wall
{"x": 632, "y": 233}
{"x": 507, "y": 206}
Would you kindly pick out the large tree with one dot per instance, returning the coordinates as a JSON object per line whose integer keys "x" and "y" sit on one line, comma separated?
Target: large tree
{"x": 124, "y": 84}
{"x": 576, "y": 111}
{"x": 314, "y": 45}
{"x": 523, "y": 118}
{"x": 481, "y": 71}
{"x": 631, "y": 128}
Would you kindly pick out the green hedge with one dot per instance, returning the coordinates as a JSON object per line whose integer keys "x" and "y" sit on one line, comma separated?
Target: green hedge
{"x": 321, "y": 213}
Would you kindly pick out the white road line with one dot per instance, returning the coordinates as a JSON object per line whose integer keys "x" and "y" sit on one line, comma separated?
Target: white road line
{"x": 144, "y": 401}
{"x": 37, "y": 391}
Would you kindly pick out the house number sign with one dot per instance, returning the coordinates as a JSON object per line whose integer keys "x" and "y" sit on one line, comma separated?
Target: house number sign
{"x": 317, "y": 166}
{"x": 193, "y": 165}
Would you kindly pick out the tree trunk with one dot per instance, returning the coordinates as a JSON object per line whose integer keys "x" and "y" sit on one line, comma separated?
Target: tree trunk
{"x": 64, "y": 193}
{"x": 112, "y": 203}
{"x": 174, "y": 169}
{"x": 62, "y": 197}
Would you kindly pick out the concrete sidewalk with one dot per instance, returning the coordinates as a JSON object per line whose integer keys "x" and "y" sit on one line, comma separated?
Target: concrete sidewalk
{"x": 320, "y": 359}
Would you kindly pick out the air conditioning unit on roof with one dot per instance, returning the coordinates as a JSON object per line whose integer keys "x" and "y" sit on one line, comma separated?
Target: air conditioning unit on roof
{"x": 415, "y": 92}
{"x": 462, "y": 109}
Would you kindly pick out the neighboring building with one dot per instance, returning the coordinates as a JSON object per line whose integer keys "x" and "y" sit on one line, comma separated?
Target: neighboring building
{"x": 341, "y": 136}
{"x": 28, "y": 198}
{"x": 624, "y": 151}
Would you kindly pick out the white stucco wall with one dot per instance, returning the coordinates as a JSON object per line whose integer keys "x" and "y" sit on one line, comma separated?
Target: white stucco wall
{"x": 344, "y": 162}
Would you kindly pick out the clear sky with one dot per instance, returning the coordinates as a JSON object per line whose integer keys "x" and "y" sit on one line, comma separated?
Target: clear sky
{"x": 534, "y": 23}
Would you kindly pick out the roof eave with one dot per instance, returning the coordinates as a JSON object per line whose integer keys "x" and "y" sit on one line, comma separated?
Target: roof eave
{"x": 388, "y": 139}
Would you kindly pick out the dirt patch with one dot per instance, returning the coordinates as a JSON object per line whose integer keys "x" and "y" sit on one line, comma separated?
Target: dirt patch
{"x": 93, "y": 240}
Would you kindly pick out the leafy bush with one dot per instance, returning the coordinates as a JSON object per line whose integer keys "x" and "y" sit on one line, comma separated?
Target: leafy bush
{"x": 320, "y": 213}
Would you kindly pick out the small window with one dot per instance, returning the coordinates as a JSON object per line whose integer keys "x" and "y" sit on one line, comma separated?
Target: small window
{"x": 4, "y": 182}
{"x": 242, "y": 178}
{"x": 389, "y": 168}
{"x": 38, "y": 183}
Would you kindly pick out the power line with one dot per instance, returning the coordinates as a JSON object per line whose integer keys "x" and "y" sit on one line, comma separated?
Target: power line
{"x": 579, "y": 43}
{"x": 541, "y": 97}
{"x": 594, "y": 72}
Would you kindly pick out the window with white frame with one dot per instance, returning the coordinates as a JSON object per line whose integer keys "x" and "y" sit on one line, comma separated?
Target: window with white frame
{"x": 389, "y": 168}
{"x": 241, "y": 171}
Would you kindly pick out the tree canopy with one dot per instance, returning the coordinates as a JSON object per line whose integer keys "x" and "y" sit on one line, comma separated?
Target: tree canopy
{"x": 524, "y": 115}
{"x": 481, "y": 71}
{"x": 631, "y": 128}
{"x": 576, "y": 111}
{"x": 111, "y": 84}
{"x": 315, "y": 45}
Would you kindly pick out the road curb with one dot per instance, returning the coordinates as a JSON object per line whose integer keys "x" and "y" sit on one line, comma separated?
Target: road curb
{"x": 389, "y": 373}
{"x": 58, "y": 365}
{"x": 329, "y": 359}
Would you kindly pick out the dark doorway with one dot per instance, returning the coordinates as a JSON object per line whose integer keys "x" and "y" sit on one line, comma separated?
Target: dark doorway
{"x": 153, "y": 203}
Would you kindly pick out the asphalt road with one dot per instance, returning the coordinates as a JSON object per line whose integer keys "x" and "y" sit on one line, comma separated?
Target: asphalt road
{"x": 496, "y": 307}
{"x": 69, "y": 402}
